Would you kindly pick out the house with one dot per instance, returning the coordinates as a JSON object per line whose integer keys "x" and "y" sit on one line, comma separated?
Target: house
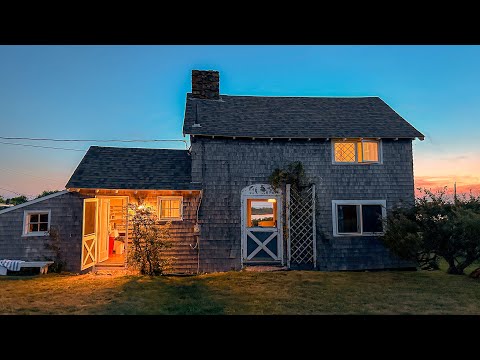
{"x": 356, "y": 152}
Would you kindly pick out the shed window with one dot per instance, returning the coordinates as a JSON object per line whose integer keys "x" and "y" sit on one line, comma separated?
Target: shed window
{"x": 170, "y": 208}
{"x": 358, "y": 217}
{"x": 36, "y": 222}
{"x": 356, "y": 151}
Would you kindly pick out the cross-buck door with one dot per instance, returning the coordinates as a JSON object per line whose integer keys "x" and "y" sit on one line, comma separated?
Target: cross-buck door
{"x": 261, "y": 227}
{"x": 89, "y": 234}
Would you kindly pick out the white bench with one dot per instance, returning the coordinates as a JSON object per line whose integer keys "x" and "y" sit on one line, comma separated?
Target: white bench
{"x": 43, "y": 265}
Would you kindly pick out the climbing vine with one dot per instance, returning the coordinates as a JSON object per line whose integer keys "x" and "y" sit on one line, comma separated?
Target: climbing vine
{"x": 293, "y": 174}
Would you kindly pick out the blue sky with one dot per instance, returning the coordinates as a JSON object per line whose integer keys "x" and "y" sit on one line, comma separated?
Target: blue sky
{"x": 127, "y": 92}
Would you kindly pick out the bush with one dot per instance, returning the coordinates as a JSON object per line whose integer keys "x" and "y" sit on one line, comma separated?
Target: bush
{"x": 293, "y": 174}
{"x": 150, "y": 239}
{"x": 53, "y": 243}
{"x": 436, "y": 228}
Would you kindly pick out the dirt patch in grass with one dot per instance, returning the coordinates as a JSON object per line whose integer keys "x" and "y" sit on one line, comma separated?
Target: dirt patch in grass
{"x": 287, "y": 292}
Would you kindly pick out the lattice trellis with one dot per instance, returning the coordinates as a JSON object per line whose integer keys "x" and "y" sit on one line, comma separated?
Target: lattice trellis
{"x": 301, "y": 216}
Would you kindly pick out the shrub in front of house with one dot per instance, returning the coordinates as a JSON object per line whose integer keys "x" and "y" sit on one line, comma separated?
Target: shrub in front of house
{"x": 150, "y": 239}
{"x": 436, "y": 227}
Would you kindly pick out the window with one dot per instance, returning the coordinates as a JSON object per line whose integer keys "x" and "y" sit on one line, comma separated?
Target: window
{"x": 36, "y": 222}
{"x": 170, "y": 208}
{"x": 358, "y": 217}
{"x": 262, "y": 212}
{"x": 356, "y": 151}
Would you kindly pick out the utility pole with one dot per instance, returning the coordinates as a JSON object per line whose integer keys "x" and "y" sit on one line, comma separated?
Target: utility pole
{"x": 455, "y": 193}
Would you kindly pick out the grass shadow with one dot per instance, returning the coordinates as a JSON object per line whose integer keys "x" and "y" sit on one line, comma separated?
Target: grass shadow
{"x": 163, "y": 295}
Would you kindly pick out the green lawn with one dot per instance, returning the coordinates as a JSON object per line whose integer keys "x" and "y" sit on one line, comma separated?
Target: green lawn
{"x": 289, "y": 292}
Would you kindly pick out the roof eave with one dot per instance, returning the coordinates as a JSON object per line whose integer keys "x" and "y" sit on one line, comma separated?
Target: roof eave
{"x": 420, "y": 136}
{"x": 80, "y": 188}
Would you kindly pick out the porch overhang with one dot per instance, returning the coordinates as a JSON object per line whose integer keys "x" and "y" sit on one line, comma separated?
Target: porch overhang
{"x": 119, "y": 192}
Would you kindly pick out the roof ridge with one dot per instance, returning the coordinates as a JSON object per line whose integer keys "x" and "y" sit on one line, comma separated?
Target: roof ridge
{"x": 295, "y": 96}
{"x": 123, "y": 147}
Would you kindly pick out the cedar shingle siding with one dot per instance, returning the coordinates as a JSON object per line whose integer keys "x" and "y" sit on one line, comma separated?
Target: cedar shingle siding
{"x": 226, "y": 166}
{"x": 66, "y": 216}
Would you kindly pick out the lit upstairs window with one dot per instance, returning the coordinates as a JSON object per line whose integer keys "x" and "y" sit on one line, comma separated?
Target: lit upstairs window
{"x": 353, "y": 151}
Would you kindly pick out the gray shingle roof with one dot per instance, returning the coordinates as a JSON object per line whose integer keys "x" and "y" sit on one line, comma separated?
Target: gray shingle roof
{"x": 306, "y": 117}
{"x": 133, "y": 168}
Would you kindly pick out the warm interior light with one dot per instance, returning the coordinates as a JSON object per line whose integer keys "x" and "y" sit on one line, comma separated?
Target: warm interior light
{"x": 141, "y": 207}
{"x": 272, "y": 200}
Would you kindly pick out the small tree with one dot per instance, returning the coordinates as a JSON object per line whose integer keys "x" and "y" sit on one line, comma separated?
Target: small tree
{"x": 150, "y": 239}
{"x": 17, "y": 200}
{"x": 46, "y": 192}
{"x": 436, "y": 228}
{"x": 53, "y": 244}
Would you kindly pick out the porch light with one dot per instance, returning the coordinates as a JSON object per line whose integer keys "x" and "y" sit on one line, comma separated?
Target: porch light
{"x": 272, "y": 200}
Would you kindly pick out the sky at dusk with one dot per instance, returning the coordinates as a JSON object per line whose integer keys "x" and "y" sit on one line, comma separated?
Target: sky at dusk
{"x": 138, "y": 92}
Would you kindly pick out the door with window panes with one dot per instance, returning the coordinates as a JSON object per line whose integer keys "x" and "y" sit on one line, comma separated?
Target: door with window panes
{"x": 89, "y": 234}
{"x": 262, "y": 241}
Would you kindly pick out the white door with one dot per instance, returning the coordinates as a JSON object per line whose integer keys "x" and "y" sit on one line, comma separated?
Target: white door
{"x": 261, "y": 225}
{"x": 103, "y": 228}
{"x": 89, "y": 234}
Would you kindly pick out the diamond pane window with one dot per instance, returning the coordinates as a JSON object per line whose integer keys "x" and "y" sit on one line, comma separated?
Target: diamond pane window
{"x": 345, "y": 152}
{"x": 356, "y": 151}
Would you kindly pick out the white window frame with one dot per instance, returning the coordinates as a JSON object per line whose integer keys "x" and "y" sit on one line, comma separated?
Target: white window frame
{"x": 26, "y": 222}
{"x": 159, "y": 203}
{"x": 357, "y": 140}
{"x": 382, "y": 203}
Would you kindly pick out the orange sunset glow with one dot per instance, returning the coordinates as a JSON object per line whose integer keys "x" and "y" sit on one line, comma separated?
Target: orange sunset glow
{"x": 436, "y": 172}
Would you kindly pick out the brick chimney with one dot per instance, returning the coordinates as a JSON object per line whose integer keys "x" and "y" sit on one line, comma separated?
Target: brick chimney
{"x": 206, "y": 84}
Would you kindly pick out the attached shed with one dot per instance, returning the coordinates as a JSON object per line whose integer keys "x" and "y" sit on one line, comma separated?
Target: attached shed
{"x": 109, "y": 178}
{"x": 24, "y": 229}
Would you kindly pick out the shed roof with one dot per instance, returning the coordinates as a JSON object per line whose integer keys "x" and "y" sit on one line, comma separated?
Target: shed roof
{"x": 133, "y": 168}
{"x": 291, "y": 117}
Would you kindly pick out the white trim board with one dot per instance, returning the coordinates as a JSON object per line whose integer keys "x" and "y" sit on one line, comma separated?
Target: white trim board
{"x": 33, "y": 201}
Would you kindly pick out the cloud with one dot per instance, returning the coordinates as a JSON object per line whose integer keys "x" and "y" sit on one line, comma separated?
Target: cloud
{"x": 455, "y": 158}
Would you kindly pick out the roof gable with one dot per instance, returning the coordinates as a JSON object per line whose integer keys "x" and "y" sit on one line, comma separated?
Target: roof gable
{"x": 305, "y": 117}
{"x": 34, "y": 201}
{"x": 133, "y": 168}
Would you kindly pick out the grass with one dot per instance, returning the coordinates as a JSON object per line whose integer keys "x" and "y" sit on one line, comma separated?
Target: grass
{"x": 289, "y": 292}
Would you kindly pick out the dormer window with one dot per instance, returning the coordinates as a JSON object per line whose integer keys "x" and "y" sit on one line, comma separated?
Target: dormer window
{"x": 353, "y": 151}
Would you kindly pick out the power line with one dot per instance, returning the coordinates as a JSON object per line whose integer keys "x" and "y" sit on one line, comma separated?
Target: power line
{"x": 90, "y": 140}
{"x": 16, "y": 192}
{"x": 40, "y": 146}
{"x": 35, "y": 176}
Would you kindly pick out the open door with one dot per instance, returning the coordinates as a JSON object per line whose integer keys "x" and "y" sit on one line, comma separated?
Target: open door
{"x": 89, "y": 235}
{"x": 103, "y": 228}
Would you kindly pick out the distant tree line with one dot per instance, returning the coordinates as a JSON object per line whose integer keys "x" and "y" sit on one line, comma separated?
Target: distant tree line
{"x": 22, "y": 198}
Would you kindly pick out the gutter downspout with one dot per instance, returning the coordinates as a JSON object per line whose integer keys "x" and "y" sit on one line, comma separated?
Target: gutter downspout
{"x": 196, "y": 231}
